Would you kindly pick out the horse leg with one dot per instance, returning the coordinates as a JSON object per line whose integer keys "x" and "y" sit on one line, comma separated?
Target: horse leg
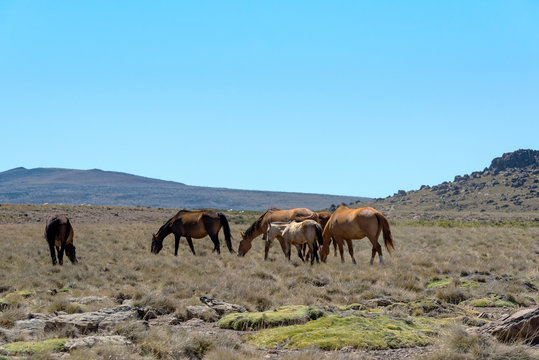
{"x": 190, "y": 242}
{"x": 216, "y": 244}
{"x": 300, "y": 253}
{"x": 351, "y": 250}
{"x": 176, "y": 243}
{"x": 61, "y": 254}
{"x": 311, "y": 250}
{"x": 266, "y": 248}
{"x": 376, "y": 248}
{"x": 334, "y": 247}
{"x": 53, "y": 253}
{"x": 379, "y": 249}
{"x": 341, "y": 251}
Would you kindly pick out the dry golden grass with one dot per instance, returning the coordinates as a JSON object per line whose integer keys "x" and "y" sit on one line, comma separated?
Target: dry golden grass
{"x": 115, "y": 261}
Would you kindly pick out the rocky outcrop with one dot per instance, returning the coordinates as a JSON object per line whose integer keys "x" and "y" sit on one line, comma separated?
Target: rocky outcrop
{"x": 104, "y": 319}
{"x": 516, "y": 159}
{"x": 521, "y": 326}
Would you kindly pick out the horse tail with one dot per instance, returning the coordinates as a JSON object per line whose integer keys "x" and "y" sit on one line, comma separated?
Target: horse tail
{"x": 388, "y": 239}
{"x": 226, "y": 230}
{"x": 319, "y": 236}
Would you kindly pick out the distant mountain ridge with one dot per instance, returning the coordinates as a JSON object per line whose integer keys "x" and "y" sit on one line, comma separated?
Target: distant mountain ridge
{"x": 506, "y": 190}
{"x": 98, "y": 187}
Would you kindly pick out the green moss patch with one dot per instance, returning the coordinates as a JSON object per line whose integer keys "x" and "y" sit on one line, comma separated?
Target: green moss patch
{"x": 492, "y": 301}
{"x": 285, "y": 315}
{"x": 9, "y": 298}
{"x": 354, "y": 306}
{"x": 29, "y": 347}
{"x": 333, "y": 332}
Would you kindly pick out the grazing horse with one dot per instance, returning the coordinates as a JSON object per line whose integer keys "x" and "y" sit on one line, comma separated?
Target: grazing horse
{"x": 347, "y": 224}
{"x": 193, "y": 224}
{"x": 306, "y": 232}
{"x": 260, "y": 226}
{"x": 59, "y": 233}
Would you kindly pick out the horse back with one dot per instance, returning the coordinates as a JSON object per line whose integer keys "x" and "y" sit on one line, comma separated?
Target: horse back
{"x": 353, "y": 223}
{"x": 59, "y": 231}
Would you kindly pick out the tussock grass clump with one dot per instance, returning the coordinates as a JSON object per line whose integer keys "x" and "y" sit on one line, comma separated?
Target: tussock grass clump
{"x": 491, "y": 301}
{"x": 458, "y": 344}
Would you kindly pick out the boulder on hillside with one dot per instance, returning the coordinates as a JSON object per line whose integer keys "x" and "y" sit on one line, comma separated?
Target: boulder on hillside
{"x": 520, "y": 326}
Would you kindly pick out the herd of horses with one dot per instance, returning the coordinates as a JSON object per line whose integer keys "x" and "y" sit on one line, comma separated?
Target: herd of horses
{"x": 300, "y": 227}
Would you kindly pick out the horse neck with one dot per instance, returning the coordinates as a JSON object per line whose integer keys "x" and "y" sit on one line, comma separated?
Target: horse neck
{"x": 163, "y": 232}
{"x": 251, "y": 234}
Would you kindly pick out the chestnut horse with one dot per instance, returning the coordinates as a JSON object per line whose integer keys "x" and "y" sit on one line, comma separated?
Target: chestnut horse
{"x": 193, "y": 224}
{"x": 347, "y": 224}
{"x": 260, "y": 226}
{"x": 307, "y": 232}
{"x": 59, "y": 233}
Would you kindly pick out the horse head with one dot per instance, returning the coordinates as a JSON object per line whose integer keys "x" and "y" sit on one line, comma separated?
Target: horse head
{"x": 70, "y": 252}
{"x": 245, "y": 245}
{"x": 157, "y": 244}
{"x": 324, "y": 251}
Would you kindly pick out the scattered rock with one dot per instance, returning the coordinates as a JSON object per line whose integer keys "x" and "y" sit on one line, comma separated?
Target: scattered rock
{"x": 90, "y": 341}
{"x": 202, "y": 312}
{"x": 221, "y": 307}
{"x": 379, "y": 302}
{"x": 31, "y": 327}
{"x": 89, "y": 299}
{"x": 93, "y": 321}
{"x": 521, "y": 326}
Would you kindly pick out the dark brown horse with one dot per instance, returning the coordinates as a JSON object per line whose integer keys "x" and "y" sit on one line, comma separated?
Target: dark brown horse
{"x": 59, "y": 233}
{"x": 347, "y": 224}
{"x": 193, "y": 224}
{"x": 260, "y": 226}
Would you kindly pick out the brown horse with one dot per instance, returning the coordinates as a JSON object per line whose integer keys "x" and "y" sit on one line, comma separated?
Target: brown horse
{"x": 260, "y": 226}
{"x": 347, "y": 224}
{"x": 193, "y": 224}
{"x": 59, "y": 233}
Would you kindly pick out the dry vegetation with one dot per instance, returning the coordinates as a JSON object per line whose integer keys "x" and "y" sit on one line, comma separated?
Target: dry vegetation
{"x": 452, "y": 265}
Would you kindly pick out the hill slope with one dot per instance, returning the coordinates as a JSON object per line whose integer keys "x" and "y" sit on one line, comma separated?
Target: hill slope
{"x": 97, "y": 187}
{"x": 506, "y": 190}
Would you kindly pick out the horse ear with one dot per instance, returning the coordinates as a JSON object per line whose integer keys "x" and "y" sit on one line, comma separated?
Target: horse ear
{"x": 242, "y": 233}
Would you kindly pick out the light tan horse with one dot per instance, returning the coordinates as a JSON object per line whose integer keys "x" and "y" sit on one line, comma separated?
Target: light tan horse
{"x": 347, "y": 224}
{"x": 307, "y": 232}
{"x": 275, "y": 231}
{"x": 193, "y": 224}
{"x": 260, "y": 226}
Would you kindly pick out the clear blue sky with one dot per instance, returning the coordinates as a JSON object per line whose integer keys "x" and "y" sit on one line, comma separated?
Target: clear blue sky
{"x": 337, "y": 97}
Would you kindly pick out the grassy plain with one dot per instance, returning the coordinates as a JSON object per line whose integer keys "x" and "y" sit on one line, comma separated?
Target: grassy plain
{"x": 465, "y": 264}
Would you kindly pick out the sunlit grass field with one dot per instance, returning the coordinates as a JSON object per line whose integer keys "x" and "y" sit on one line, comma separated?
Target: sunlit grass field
{"x": 454, "y": 264}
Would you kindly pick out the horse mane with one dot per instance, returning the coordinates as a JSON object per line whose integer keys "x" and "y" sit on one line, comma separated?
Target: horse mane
{"x": 168, "y": 223}
{"x": 258, "y": 222}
